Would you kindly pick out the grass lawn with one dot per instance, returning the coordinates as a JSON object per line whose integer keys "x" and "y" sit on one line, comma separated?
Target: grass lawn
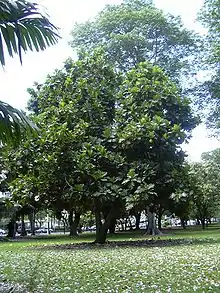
{"x": 192, "y": 267}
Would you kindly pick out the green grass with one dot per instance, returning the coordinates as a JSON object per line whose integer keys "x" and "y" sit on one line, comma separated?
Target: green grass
{"x": 183, "y": 268}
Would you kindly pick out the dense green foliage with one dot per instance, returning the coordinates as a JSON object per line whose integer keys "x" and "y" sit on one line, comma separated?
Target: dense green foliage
{"x": 204, "y": 179}
{"x": 209, "y": 16}
{"x": 106, "y": 141}
{"x": 210, "y": 91}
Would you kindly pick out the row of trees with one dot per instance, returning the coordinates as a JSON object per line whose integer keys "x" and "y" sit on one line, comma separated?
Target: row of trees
{"x": 198, "y": 195}
{"x": 111, "y": 125}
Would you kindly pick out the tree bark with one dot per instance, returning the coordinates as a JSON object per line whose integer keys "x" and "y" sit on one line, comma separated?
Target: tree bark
{"x": 137, "y": 221}
{"x": 101, "y": 232}
{"x": 31, "y": 217}
{"x": 73, "y": 223}
{"x": 102, "y": 228}
{"x": 151, "y": 227}
{"x": 76, "y": 222}
{"x": 160, "y": 214}
{"x": 126, "y": 221}
{"x": 64, "y": 227}
{"x": 11, "y": 229}
{"x": 23, "y": 230}
{"x": 70, "y": 220}
{"x": 121, "y": 225}
{"x": 203, "y": 223}
{"x": 183, "y": 223}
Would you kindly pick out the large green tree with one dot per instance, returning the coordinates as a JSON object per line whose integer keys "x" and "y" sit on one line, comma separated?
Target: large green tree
{"x": 74, "y": 164}
{"x": 107, "y": 141}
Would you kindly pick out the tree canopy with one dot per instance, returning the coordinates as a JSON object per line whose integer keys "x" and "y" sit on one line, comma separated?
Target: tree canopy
{"x": 106, "y": 140}
{"x": 210, "y": 90}
{"x": 136, "y": 31}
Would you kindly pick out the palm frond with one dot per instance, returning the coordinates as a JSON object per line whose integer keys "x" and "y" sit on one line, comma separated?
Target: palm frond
{"x": 23, "y": 27}
{"x": 13, "y": 124}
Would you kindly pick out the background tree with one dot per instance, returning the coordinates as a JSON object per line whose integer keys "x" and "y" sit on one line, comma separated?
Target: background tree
{"x": 204, "y": 179}
{"x": 210, "y": 90}
{"x": 209, "y": 16}
{"x": 136, "y": 31}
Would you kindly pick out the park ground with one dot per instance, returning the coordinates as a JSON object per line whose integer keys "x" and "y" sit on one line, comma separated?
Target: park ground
{"x": 177, "y": 261}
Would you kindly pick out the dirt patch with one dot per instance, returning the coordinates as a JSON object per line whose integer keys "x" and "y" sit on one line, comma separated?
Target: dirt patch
{"x": 117, "y": 244}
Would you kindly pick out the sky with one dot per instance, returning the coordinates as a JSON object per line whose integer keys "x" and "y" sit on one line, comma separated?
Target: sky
{"x": 15, "y": 79}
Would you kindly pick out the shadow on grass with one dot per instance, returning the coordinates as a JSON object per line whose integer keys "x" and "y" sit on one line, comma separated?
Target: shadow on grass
{"x": 170, "y": 237}
{"x": 147, "y": 243}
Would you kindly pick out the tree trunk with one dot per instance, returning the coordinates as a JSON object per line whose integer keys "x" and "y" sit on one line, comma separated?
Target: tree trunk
{"x": 31, "y": 217}
{"x": 203, "y": 223}
{"x": 11, "y": 229}
{"x": 64, "y": 227}
{"x": 160, "y": 214}
{"x": 151, "y": 227}
{"x": 101, "y": 232}
{"x": 79, "y": 229}
{"x": 183, "y": 223}
{"x": 137, "y": 221}
{"x": 73, "y": 232}
{"x": 112, "y": 226}
{"x": 121, "y": 225}
{"x": 48, "y": 225}
{"x": 23, "y": 230}
{"x": 102, "y": 228}
{"x": 73, "y": 223}
{"x": 126, "y": 220}
{"x": 76, "y": 222}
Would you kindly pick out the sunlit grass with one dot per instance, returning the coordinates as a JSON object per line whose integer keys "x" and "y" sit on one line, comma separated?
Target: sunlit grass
{"x": 183, "y": 268}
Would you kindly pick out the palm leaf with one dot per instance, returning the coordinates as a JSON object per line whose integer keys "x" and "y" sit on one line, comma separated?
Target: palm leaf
{"x": 13, "y": 124}
{"x": 23, "y": 27}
